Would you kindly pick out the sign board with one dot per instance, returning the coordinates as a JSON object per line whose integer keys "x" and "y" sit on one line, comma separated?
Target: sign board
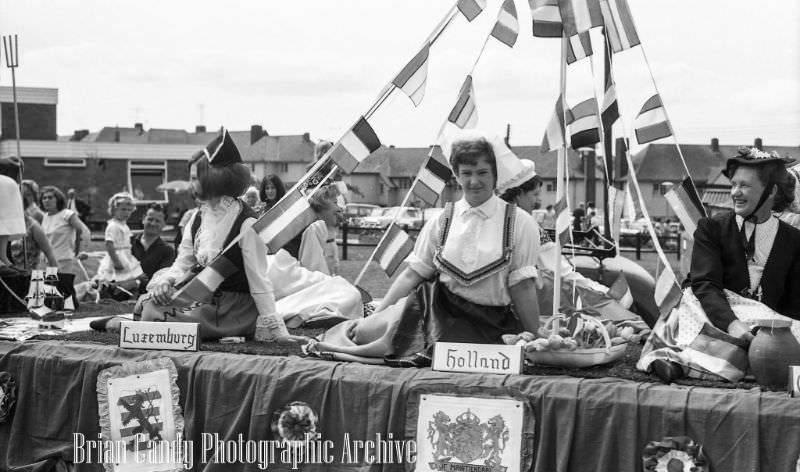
{"x": 168, "y": 336}
{"x": 794, "y": 380}
{"x": 472, "y": 357}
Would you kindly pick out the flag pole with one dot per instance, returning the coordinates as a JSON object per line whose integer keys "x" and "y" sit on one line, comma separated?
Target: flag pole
{"x": 608, "y": 140}
{"x": 12, "y": 62}
{"x": 561, "y": 191}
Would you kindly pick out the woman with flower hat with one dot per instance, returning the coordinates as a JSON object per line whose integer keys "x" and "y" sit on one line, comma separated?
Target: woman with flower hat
{"x": 745, "y": 258}
{"x": 470, "y": 277}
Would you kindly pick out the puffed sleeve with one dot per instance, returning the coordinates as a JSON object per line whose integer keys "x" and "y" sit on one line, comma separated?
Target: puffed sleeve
{"x": 706, "y": 274}
{"x": 526, "y": 249}
{"x": 421, "y": 259}
{"x": 184, "y": 261}
{"x": 312, "y": 247}
{"x": 114, "y": 232}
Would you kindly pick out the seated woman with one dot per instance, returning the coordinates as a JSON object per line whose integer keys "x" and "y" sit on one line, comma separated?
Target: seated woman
{"x": 745, "y": 268}
{"x": 523, "y": 189}
{"x": 468, "y": 268}
{"x": 26, "y": 252}
{"x": 218, "y": 178}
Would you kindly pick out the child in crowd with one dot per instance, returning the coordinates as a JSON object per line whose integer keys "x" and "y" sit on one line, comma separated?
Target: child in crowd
{"x": 119, "y": 265}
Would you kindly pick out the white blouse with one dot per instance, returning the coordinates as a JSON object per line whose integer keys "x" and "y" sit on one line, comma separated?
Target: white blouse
{"x": 765, "y": 238}
{"x": 215, "y": 224}
{"x": 475, "y": 240}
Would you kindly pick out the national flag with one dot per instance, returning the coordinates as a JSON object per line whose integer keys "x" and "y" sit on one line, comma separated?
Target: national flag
{"x": 684, "y": 200}
{"x": 610, "y": 113}
{"x": 355, "y": 146}
{"x": 284, "y": 221}
{"x": 668, "y": 291}
{"x": 546, "y": 18}
{"x": 554, "y": 134}
{"x": 507, "y": 27}
{"x": 562, "y": 221}
{"x": 579, "y": 15}
{"x": 584, "y": 124}
{"x": 135, "y": 409}
{"x": 618, "y": 21}
{"x": 579, "y": 47}
{"x": 411, "y": 80}
{"x": 464, "y": 113}
{"x": 201, "y": 288}
{"x": 621, "y": 291}
{"x": 431, "y": 180}
{"x": 471, "y": 8}
{"x": 651, "y": 123}
{"x": 393, "y": 249}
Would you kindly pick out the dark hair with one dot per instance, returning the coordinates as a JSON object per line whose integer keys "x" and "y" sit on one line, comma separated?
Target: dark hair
{"x": 470, "y": 152}
{"x": 772, "y": 173}
{"x": 531, "y": 184}
{"x": 157, "y": 207}
{"x": 61, "y": 200}
{"x": 32, "y": 187}
{"x": 549, "y": 207}
{"x": 280, "y": 189}
{"x": 228, "y": 181}
{"x": 323, "y": 198}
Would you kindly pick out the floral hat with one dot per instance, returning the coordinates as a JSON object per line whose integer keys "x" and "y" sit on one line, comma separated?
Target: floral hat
{"x": 754, "y": 157}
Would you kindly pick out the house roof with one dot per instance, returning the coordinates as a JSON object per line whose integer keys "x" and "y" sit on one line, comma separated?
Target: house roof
{"x": 660, "y": 162}
{"x": 291, "y": 148}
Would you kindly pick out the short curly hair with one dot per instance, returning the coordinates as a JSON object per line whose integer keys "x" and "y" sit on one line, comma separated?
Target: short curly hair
{"x": 61, "y": 200}
{"x": 470, "y": 151}
{"x": 773, "y": 173}
{"x": 323, "y": 198}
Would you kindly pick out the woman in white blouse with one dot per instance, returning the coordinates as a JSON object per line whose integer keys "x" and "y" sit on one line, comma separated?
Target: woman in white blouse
{"x": 468, "y": 269}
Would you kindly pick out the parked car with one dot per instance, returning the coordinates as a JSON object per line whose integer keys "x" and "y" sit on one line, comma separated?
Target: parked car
{"x": 381, "y": 217}
{"x": 354, "y": 213}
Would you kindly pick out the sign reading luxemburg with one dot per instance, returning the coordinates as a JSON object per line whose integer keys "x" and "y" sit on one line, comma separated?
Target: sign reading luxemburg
{"x": 159, "y": 335}
{"x": 471, "y": 357}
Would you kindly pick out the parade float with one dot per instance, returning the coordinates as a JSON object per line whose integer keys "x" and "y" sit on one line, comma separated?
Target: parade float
{"x": 87, "y": 406}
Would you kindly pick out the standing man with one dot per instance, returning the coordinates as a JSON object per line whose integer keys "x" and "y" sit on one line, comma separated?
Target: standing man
{"x": 153, "y": 253}
{"x": 77, "y": 205}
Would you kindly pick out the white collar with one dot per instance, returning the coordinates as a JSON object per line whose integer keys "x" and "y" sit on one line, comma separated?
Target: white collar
{"x": 771, "y": 221}
{"x": 486, "y": 209}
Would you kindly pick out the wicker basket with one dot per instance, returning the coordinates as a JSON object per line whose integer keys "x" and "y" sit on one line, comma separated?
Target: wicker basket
{"x": 579, "y": 357}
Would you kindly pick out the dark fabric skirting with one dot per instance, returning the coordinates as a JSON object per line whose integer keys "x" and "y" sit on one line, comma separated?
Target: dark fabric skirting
{"x": 434, "y": 313}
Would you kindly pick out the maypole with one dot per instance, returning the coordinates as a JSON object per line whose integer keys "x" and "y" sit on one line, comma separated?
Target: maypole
{"x": 561, "y": 189}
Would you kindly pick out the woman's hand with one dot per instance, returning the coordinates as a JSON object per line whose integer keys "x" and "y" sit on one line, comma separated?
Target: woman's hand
{"x": 737, "y": 329}
{"x": 82, "y": 256}
{"x": 162, "y": 293}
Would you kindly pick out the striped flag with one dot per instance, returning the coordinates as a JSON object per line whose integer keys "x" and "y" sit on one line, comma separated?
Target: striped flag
{"x": 507, "y": 27}
{"x": 618, "y": 21}
{"x": 431, "y": 180}
{"x": 684, "y": 200}
{"x": 621, "y": 291}
{"x": 610, "y": 113}
{"x": 651, "y": 123}
{"x": 411, "y": 80}
{"x": 471, "y": 8}
{"x": 355, "y": 146}
{"x": 554, "y": 134}
{"x": 584, "y": 124}
{"x": 616, "y": 209}
{"x": 394, "y": 248}
{"x": 201, "y": 288}
{"x": 579, "y": 47}
{"x": 137, "y": 408}
{"x": 464, "y": 113}
{"x": 579, "y": 15}
{"x": 284, "y": 221}
{"x": 668, "y": 291}
{"x": 546, "y": 18}
{"x": 562, "y": 221}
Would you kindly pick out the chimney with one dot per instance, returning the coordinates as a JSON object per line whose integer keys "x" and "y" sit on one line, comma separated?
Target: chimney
{"x": 714, "y": 144}
{"x": 759, "y": 144}
{"x": 306, "y": 137}
{"x": 139, "y": 127}
{"x": 622, "y": 163}
{"x": 508, "y": 134}
{"x": 79, "y": 134}
{"x": 116, "y": 134}
{"x": 256, "y": 132}
{"x": 199, "y": 129}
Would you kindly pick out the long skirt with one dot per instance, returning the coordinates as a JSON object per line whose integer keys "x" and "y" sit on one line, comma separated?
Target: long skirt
{"x": 404, "y": 334}
{"x": 228, "y": 314}
{"x": 687, "y": 337}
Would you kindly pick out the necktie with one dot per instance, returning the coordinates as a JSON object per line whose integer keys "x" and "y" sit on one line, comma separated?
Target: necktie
{"x": 749, "y": 243}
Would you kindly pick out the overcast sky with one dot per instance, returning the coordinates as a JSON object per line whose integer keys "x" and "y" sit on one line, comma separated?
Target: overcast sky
{"x": 725, "y": 68}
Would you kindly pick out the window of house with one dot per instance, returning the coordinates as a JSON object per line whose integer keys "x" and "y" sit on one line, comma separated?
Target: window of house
{"x": 550, "y": 187}
{"x": 144, "y": 177}
{"x": 656, "y": 189}
{"x": 402, "y": 182}
{"x": 283, "y": 167}
{"x": 64, "y": 162}
{"x": 380, "y": 189}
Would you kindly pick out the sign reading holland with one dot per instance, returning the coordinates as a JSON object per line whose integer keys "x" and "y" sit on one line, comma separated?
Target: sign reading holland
{"x": 159, "y": 335}
{"x": 472, "y": 357}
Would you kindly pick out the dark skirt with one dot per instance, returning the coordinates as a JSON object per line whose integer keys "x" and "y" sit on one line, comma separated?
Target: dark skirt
{"x": 434, "y": 313}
